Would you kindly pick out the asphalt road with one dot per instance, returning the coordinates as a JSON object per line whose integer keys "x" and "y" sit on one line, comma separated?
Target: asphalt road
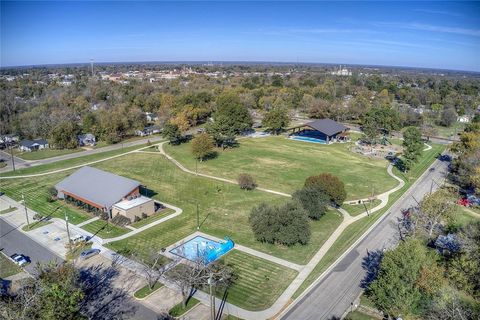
{"x": 14, "y": 241}
{"x": 338, "y": 289}
{"x": 20, "y": 163}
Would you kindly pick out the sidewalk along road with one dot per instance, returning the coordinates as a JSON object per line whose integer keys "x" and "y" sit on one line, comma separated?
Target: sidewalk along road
{"x": 20, "y": 163}
{"x": 332, "y": 294}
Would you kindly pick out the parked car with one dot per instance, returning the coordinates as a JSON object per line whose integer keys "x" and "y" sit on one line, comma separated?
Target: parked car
{"x": 89, "y": 253}
{"x": 19, "y": 259}
{"x": 79, "y": 238}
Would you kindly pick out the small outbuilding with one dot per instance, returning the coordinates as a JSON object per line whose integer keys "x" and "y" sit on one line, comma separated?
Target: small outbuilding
{"x": 132, "y": 207}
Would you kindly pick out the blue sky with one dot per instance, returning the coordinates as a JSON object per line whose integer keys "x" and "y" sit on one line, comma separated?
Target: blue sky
{"x": 419, "y": 34}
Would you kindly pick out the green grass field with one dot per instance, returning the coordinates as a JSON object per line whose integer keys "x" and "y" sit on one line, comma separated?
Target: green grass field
{"x": 70, "y": 162}
{"x": 260, "y": 282}
{"x": 45, "y": 153}
{"x": 281, "y": 164}
{"x": 102, "y": 229}
{"x": 8, "y": 210}
{"x": 145, "y": 290}
{"x": 36, "y": 195}
{"x": 223, "y": 209}
{"x": 178, "y": 309}
{"x": 7, "y": 267}
{"x": 357, "y": 209}
{"x": 158, "y": 215}
{"x": 356, "y": 229}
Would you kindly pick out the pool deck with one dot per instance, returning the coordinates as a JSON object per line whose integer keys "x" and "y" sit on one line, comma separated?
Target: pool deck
{"x": 237, "y": 246}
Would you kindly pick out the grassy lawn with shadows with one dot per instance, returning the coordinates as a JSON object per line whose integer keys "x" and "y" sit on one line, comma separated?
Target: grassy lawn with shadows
{"x": 7, "y": 267}
{"x": 356, "y": 229}
{"x": 283, "y": 165}
{"x": 104, "y": 230}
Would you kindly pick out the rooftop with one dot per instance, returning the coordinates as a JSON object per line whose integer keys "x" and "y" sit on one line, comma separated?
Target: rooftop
{"x": 98, "y": 186}
{"x": 135, "y": 202}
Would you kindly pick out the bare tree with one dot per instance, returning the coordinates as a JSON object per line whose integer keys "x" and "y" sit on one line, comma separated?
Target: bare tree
{"x": 197, "y": 274}
{"x": 435, "y": 208}
{"x": 153, "y": 267}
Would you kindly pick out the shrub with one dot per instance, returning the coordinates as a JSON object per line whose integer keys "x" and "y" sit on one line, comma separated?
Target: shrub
{"x": 37, "y": 216}
{"x": 104, "y": 216}
{"x": 120, "y": 220}
{"x": 246, "y": 181}
{"x": 144, "y": 215}
{"x": 329, "y": 184}
{"x": 287, "y": 224}
{"x": 313, "y": 201}
{"x": 136, "y": 219}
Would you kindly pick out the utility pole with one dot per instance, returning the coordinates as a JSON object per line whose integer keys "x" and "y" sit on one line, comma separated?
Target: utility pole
{"x": 68, "y": 230}
{"x": 198, "y": 219}
{"x": 196, "y": 166}
{"x": 13, "y": 158}
{"x": 212, "y": 298}
{"x": 26, "y": 213}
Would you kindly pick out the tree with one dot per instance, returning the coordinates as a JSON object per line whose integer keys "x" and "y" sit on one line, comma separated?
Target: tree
{"x": 64, "y": 135}
{"x": 276, "y": 120}
{"x": 172, "y": 133}
{"x": 287, "y": 224}
{"x": 399, "y": 288}
{"x": 448, "y": 117}
{"x": 246, "y": 181}
{"x": 153, "y": 266}
{"x": 55, "y": 293}
{"x": 435, "y": 208}
{"x": 380, "y": 119}
{"x": 330, "y": 185}
{"x": 231, "y": 116}
{"x": 197, "y": 274}
{"x": 413, "y": 145}
{"x": 313, "y": 201}
{"x": 202, "y": 146}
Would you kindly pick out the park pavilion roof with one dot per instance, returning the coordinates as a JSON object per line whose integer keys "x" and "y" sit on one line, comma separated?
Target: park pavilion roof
{"x": 97, "y": 186}
{"x": 325, "y": 126}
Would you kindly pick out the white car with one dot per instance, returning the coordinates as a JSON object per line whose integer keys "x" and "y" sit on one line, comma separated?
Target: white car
{"x": 19, "y": 259}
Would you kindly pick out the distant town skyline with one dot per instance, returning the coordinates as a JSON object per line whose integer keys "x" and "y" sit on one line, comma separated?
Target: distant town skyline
{"x": 441, "y": 35}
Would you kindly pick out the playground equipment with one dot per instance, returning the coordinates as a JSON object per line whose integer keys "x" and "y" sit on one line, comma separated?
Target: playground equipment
{"x": 213, "y": 253}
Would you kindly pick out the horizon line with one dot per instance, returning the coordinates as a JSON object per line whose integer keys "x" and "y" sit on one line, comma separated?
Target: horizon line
{"x": 234, "y": 62}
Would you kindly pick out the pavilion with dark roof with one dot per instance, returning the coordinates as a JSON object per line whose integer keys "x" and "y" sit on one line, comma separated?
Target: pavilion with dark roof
{"x": 326, "y": 130}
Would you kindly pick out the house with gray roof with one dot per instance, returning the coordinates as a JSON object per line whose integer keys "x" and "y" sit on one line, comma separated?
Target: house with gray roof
{"x": 326, "y": 130}
{"x": 97, "y": 188}
{"x": 32, "y": 145}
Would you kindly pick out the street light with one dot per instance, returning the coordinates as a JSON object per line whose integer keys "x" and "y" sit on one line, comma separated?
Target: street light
{"x": 26, "y": 214}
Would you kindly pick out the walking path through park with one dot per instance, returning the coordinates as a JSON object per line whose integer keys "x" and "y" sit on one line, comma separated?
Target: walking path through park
{"x": 303, "y": 271}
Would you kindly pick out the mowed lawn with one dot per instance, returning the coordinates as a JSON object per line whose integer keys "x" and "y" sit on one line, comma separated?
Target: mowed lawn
{"x": 35, "y": 190}
{"x": 45, "y": 153}
{"x": 282, "y": 164}
{"x": 259, "y": 283}
{"x": 223, "y": 209}
{"x": 105, "y": 230}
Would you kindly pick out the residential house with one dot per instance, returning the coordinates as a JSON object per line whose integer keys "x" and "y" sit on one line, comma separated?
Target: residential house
{"x": 33, "y": 145}
{"x": 148, "y": 131}
{"x": 151, "y": 117}
{"x": 87, "y": 139}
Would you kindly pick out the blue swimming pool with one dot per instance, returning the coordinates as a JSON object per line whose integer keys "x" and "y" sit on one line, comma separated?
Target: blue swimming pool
{"x": 308, "y": 139}
{"x": 202, "y": 248}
